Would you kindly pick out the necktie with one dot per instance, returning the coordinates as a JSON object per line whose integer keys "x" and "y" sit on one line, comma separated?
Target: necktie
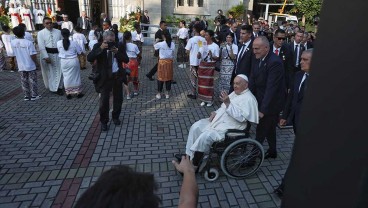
{"x": 296, "y": 55}
{"x": 110, "y": 58}
{"x": 260, "y": 63}
{"x": 235, "y": 41}
{"x": 241, "y": 52}
{"x": 277, "y": 52}
{"x": 303, "y": 87}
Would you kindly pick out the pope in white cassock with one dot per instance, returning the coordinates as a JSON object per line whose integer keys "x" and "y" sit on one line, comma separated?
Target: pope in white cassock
{"x": 237, "y": 108}
{"x": 50, "y": 62}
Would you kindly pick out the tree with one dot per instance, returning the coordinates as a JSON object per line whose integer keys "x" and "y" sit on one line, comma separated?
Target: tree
{"x": 308, "y": 8}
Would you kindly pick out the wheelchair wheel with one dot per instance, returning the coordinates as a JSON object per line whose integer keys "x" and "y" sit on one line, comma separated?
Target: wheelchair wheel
{"x": 242, "y": 158}
{"x": 211, "y": 175}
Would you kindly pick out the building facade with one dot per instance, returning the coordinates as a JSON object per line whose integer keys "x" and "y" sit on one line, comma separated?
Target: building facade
{"x": 115, "y": 9}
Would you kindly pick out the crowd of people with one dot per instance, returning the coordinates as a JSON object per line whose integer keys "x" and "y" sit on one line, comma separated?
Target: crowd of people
{"x": 262, "y": 70}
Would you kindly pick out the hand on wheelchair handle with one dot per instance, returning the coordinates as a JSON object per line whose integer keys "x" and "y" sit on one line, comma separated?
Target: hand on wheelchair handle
{"x": 185, "y": 166}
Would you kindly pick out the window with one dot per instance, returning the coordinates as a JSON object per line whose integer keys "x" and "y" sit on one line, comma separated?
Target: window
{"x": 180, "y": 2}
{"x": 191, "y": 3}
{"x": 200, "y": 3}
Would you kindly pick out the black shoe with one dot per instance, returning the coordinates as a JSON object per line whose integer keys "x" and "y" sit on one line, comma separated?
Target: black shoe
{"x": 80, "y": 95}
{"x": 149, "y": 77}
{"x": 116, "y": 121}
{"x": 173, "y": 82}
{"x": 192, "y": 96}
{"x": 270, "y": 155}
{"x": 103, "y": 127}
{"x": 69, "y": 97}
{"x": 60, "y": 92}
{"x": 279, "y": 192}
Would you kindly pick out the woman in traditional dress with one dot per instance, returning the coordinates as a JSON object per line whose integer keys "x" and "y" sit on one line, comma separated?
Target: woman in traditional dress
{"x": 68, "y": 54}
{"x": 229, "y": 51}
{"x": 208, "y": 54}
{"x": 132, "y": 52}
{"x": 183, "y": 36}
{"x": 165, "y": 64}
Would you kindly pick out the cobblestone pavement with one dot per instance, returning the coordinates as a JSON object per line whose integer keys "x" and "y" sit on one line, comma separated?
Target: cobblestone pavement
{"x": 52, "y": 149}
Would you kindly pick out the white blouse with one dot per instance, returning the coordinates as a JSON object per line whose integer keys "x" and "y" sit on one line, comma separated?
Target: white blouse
{"x": 132, "y": 50}
{"x": 182, "y": 33}
{"x": 165, "y": 52}
{"x": 72, "y": 51}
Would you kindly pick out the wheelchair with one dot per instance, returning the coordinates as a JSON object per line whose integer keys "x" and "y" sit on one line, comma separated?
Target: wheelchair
{"x": 239, "y": 156}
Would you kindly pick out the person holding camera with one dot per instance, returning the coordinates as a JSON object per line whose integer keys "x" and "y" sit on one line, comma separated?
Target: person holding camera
{"x": 110, "y": 75}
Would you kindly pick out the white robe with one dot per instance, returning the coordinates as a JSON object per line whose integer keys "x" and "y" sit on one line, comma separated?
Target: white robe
{"x": 51, "y": 73}
{"x": 27, "y": 18}
{"x": 39, "y": 14}
{"x": 14, "y": 19}
{"x": 68, "y": 25}
{"x": 203, "y": 133}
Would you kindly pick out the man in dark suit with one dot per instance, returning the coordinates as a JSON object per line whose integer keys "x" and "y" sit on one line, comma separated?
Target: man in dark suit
{"x": 296, "y": 49}
{"x": 234, "y": 30}
{"x": 295, "y": 98}
{"x": 84, "y": 23}
{"x": 267, "y": 83}
{"x": 245, "y": 54}
{"x": 145, "y": 19}
{"x": 257, "y": 30}
{"x": 110, "y": 76}
{"x": 306, "y": 42}
{"x": 281, "y": 50}
{"x": 104, "y": 18}
{"x": 204, "y": 23}
{"x": 158, "y": 38}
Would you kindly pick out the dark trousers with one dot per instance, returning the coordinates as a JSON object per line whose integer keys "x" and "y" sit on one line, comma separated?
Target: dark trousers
{"x": 267, "y": 129}
{"x": 161, "y": 85}
{"x": 116, "y": 86}
{"x": 145, "y": 28}
{"x": 153, "y": 71}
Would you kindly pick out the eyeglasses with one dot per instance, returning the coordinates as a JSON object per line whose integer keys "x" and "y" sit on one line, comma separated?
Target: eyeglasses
{"x": 48, "y": 23}
{"x": 281, "y": 38}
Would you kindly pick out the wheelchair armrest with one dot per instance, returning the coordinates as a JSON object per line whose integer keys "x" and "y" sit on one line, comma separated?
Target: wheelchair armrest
{"x": 236, "y": 133}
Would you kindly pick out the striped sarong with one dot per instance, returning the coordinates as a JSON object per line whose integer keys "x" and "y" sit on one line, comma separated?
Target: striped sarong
{"x": 206, "y": 71}
{"x": 165, "y": 70}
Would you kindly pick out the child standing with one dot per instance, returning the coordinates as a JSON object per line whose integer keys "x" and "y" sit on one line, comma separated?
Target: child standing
{"x": 7, "y": 37}
{"x": 81, "y": 41}
{"x": 132, "y": 52}
{"x": 27, "y": 61}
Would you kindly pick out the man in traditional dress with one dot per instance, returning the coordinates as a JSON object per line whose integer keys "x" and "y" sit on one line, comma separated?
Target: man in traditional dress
{"x": 27, "y": 17}
{"x": 237, "y": 108}
{"x": 39, "y": 14}
{"x": 14, "y": 15}
{"x": 50, "y": 63}
{"x": 192, "y": 48}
